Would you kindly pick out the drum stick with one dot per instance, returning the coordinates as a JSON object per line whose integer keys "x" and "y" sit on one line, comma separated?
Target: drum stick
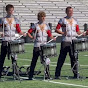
{"x": 21, "y": 35}
{"x": 51, "y": 40}
{"x": 81, "y": 34}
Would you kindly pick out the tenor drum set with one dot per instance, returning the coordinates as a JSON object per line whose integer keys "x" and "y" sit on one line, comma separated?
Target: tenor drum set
{"x": 14, "y": 47}
{"x": 17, "y": 46}
{"x": 47, "y": 50}
{"x": 79, "y": 45}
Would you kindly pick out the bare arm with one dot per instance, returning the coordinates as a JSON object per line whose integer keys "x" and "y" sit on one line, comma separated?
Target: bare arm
{"x": 59, "y": 32}
{"x": 79, "y": 32}
{"x": 29, "y": 34}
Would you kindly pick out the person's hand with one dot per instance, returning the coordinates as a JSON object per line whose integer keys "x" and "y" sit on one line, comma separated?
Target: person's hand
{"x": 84, "y": 34}
{"x": 54, "y": 38}
{"x": 34, "y": 37}
{"x": 64, "y": 33}
{"x": 24, "y": 34}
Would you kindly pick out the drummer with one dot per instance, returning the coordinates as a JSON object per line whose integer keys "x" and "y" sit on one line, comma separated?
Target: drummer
{"x": 41, "y": 30}
{"x": 9, "y": 25}
{"x": 70, "y": 29}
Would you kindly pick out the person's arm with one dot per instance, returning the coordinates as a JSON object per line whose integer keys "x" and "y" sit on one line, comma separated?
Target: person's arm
{"x": 29, "y": 33}
{"x": 59, "y": 25}
{"x": 19, "y": 30}
{"x": 77, "y": 30}
{"x": 50, "y": 35}
{"x": 57, "y": 29}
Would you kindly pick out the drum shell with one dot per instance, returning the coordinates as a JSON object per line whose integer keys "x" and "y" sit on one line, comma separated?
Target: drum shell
{"x": 17, "y": 46}
{"x": 80, "y": 44}
{"x": 49, "y": 50}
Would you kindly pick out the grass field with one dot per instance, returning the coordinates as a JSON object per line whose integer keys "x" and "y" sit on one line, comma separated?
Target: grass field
{"x": 39, "y": 82}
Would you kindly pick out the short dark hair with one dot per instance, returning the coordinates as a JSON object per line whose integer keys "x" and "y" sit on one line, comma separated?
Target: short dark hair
{"x": 69, "y": 7}
{"x": 9, "y": 6}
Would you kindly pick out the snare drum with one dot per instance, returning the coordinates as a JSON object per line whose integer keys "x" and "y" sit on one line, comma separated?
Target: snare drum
{"x": 48, "y": 49}
{"x": 17, "y": 46}
{"x": 80, "y": 44}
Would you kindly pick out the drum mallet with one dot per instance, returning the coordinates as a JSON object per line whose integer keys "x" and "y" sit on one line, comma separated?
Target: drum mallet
{"x": 21, "y": 35}
{"x": 51, "y": 39}
{"x": 81, "y": 34}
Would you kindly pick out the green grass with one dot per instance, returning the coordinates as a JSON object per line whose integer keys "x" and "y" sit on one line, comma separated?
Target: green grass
{"x": 25, "y": 59}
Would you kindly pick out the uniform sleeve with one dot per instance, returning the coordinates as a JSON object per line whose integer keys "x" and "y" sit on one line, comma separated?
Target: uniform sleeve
{"x": 77, "y": 28}
{"x": 17, "y": 21}
{"x": 30, "y": 30}
{"x": 18, "y": 28}
{"x": 59, "y": 24}
{"x": 33, "y": 28}
{"x": 60, "y": 21}
{"x": 48, "y": 30}
{"x": 48, "y": 27}
{"x": 77, "y": 25}
{"x": 76, "y": 21}
{"x": 49, "y": 33}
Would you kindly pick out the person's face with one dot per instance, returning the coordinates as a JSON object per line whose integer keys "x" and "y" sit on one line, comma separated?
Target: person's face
{"x": 42, "y": 19}
{"x": 69, "y": 12}
{"x": 10, "y": 11}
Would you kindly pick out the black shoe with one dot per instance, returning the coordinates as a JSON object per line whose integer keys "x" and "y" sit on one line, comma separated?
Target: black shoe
{"x": 30, "y": 79}
{"x": 58, "y": 77}
{"x": 48, "y": 78}
{"x": 76, "y": 76}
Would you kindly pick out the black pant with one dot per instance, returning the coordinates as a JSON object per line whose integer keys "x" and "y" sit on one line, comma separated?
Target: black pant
{"x": 5, "y": 49}
{"x": 65, "y": 48}
{"x": 36, "y": 53}
{"x": 3, "y": 55}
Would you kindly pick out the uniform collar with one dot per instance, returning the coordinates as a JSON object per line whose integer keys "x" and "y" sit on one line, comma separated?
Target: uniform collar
{"x": 41, "y": 22}
{"x": 68, "y": 17}
{"x": 9, "y": 16}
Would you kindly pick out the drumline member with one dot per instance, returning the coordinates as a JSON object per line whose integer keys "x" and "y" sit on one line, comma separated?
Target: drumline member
{"x": 42, "y": 30}
{"x": 70, "y": 29}
{"x": 11, "y": 25}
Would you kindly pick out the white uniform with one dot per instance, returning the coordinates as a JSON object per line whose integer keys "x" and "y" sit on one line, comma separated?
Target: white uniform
{"x": 70, "y": 28}
{"x": 41, "y": 36}
{"x": 9, "y": 27}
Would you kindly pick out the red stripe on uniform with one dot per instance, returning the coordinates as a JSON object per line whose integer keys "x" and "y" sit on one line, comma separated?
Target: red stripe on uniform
{"x": 49, "y": 33}
{"x": 58, "y": 26}
{"x": 77, "y": 28}
{"x": 18, "y": 28}
{"x": 30, "y": 30}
